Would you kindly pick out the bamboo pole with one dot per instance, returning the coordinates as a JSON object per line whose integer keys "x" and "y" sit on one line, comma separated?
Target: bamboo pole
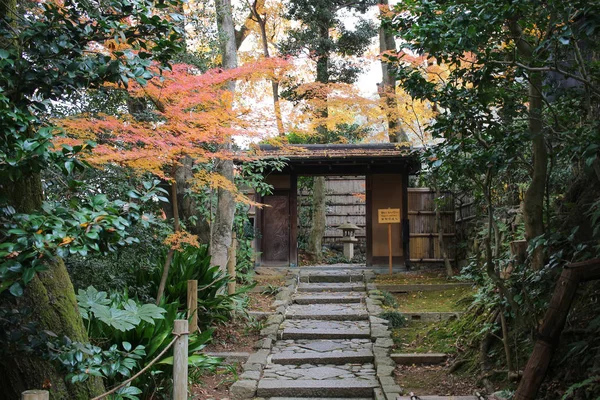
{"x": 192, "y": 304}
{"x": 35, "y": 395}
{"x": 231, "y": 261}
{"x": 180, "y": 360}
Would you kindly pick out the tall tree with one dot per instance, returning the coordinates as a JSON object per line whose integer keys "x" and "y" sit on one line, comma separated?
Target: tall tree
{"x": 387, "y": 87}
{"x": 323, "y": 36}
{"x": 49, "y": 51}
{"x": 221, "y": 233}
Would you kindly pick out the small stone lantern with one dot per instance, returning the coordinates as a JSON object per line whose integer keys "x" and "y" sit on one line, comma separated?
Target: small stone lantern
{"x": 348, "y": 238}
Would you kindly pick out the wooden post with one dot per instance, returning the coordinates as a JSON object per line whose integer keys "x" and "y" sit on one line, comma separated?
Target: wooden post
{"x": 390, "y": 246}
{"x": 35, "y": 395}
{"x": 180, "y": 360}
{"x": 192, "y": 304}
{"x": 231, "y": 264}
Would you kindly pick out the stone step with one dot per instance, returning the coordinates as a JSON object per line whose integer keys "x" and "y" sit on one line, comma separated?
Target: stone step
{"x": 431, "y": 316}
{"x": 315, "y": 329}
{"x": 328, "y": 298}
{"x": 331, "y": 276}
{"x": 317, "y": 398}
{"x": 418, "y": 358}
{"x": 327, "y": 388}
{"x": 438, "y": 398}
{"x": 334, "y": 358}
{"x": 339, "y": 352}
{"x": 332, "y": 287}
{"x": 328, "y": 312}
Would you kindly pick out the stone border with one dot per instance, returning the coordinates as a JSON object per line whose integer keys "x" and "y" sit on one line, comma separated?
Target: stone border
{"x": 422, "y": 287}
{"x": 382, "y": 345}
{"x": 247, "y": 383}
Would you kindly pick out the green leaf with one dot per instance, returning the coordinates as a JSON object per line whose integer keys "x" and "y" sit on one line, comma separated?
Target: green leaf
{"x": 16, "y": 289}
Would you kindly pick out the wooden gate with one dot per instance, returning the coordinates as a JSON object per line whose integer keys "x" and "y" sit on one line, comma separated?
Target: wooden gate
{"x": 424, "y": 240}
{"x": 275, "y": 243}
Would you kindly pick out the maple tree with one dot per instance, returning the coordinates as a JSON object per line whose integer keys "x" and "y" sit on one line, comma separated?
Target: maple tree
{"x": 192, "y": 114}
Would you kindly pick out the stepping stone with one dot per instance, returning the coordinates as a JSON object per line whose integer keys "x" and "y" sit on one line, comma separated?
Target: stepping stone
{"x": 331, "y": 276}
{"x": 229, "y": 356}
{"x": 418, "y": 358}
{"x": 328, "y": 312}
{"x": 328, "y": 298}
{"x": 313, "y": 329}
{"x": 332, "y": 287}
{"x": 347, "y": 388}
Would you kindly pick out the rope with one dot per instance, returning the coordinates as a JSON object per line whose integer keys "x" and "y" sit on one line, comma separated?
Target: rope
{"x": 125, "y": 383}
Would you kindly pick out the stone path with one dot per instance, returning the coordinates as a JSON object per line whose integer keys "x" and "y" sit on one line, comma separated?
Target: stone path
{"x": 324, "y": 341}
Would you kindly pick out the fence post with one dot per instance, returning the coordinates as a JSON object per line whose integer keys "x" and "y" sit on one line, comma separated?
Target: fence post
{"x": 180, "y": 360}
{"x": 35, "y": 395}
{"x": 231, "y": 265}
{"x": 192, "y": 304}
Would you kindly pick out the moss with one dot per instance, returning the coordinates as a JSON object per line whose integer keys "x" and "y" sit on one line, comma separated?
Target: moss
{"x": 51, "y": 297}
{"x": 423, "y": 337}
{"x": 434, "y": 301}
{"x": 423, "y": 278}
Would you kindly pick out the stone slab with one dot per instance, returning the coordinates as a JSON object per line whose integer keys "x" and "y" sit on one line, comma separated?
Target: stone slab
{"x": 418, "y": 358}
{"x": 352, "y": 388}
{"x": 439, "y": 398}
{"x": 431, "y": 316}
{"x": 318, "y": 398}
{"x": 329, "y": 312}
{"x": 243, "y": 389}
{"x": 312, "y": 329}
{"x": 331, "y": 287}
{"x": 229, "y": 356}
{"x": 328, "y": 298}
{"x": 331, "y": 276}
{"x": 339, "y": 357}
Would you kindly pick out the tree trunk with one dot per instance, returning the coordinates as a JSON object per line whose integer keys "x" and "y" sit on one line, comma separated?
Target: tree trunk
{"x": 315, "y": 240}
{"x": 223, "y": 224}
{"x": 533, "y": 202}
{"x": 195, "y": 222}
{"x": 553, "y": 324}
{"x": 51, "y": 298}
{"x": 387, "y": 87}
{"x": 262, "y": 24}
{"x": 171, "y": 253}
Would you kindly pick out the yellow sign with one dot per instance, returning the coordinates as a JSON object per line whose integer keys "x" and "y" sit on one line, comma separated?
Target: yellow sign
{"x": 389, "y": 215}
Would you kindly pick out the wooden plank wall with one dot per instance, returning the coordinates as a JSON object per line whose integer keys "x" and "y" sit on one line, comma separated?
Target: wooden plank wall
{"x": 424, "y": 240}
{"x": 345, "y": 203}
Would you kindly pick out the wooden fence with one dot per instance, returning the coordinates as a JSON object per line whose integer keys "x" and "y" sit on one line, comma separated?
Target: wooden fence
{"x": 424, "y": 235}
{"x": 346, "y": 203}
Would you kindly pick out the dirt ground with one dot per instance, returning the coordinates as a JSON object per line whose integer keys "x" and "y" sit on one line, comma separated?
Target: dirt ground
{"x": 434, "y": 380}
{"x": 238, "y": 335}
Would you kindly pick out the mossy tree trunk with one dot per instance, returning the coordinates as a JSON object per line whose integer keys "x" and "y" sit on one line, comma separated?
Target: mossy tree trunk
{"x": 50, "y": 297}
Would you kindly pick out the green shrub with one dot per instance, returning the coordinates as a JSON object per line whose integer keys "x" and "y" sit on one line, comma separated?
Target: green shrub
{"x": 389, "y": 299}
{"x": 395, "y": 319}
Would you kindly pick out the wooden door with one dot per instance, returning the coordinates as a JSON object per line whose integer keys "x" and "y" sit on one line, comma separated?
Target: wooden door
{"x": 276, "y": 229}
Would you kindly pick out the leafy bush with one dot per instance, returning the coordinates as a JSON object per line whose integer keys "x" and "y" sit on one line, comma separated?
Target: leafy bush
{"x": 213, "y": 303}
{"x": 395, "y": 318}
{"x": 146, "y": 328}
{"x": 389, "y": 299}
